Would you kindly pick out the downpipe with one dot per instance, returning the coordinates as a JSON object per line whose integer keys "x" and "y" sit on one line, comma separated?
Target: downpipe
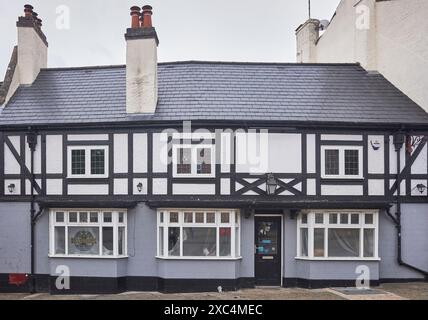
{"x": 399, "y": 139}
{"x": 32, "y": 143}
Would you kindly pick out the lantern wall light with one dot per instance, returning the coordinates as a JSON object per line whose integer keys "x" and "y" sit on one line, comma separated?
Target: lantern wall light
{"x": 271, "y": 184}
{"x": 11, "y": 188}
{"x": 140, "y": 187}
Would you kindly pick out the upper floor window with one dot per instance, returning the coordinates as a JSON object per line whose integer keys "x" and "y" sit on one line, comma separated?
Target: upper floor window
{"x": 88, "y": 233}
{"x": 338, "y": 235}
{"x": 341, "y": 162}
{"x": 193, "y": 161}
{"x": 88, "y": 161}
{"x": 198, "y": 234}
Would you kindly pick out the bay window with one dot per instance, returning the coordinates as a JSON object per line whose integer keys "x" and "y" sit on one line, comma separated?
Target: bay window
{"x": 88, "y": 233}
{"x": 198, "y": 234}
{"x": 338, "y": 234}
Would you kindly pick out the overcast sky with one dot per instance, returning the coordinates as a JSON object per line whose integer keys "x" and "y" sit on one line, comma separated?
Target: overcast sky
{"x": 225, "y": 30}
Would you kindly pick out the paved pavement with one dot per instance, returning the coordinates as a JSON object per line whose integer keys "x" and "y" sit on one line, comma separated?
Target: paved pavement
{"x": 402, "y": 291}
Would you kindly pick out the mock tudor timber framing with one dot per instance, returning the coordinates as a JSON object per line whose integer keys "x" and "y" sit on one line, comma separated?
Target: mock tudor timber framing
{"x": 233, "y": 176}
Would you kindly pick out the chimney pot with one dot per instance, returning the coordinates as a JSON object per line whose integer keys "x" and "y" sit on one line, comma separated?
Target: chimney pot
{"x": 147, "y": 17}
{"x": 135, "y": 14}
{"x": 28, "y": 10}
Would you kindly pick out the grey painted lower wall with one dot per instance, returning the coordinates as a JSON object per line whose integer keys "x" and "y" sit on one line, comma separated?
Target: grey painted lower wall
{"x": 14, "y": 237}
{"x": 414, "y": 221}
{"x": 142, "y": 261}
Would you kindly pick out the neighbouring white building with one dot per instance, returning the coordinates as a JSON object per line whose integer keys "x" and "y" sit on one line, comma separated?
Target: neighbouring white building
{"x": 383, "y": 35}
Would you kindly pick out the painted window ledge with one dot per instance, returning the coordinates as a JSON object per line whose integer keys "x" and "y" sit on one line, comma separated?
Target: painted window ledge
{"x": 201, "y": 258}
{"x": 57, "y": 256}
{"x": 337, "y": 259}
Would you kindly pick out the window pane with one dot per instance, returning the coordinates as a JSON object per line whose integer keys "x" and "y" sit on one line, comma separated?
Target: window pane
{"x": 203, "y": 161}
{"x": 368, "y": 218}
{"x": 351, "y": 162}
{"x": 368, "y": 242}
{"x": 72, "y": 217}
{"x": 83, "y": 217}
{"x": 237, "y": 243}
{"x": 332, "y": 218}
{"x": 304, "y": 242}
{"x": 343, "y": 242}
{"x": 188, "y": 217}
{"x": 344, "y": 218}
{"x": 319, "y": 218}
{"x": 97, "y": 161}
{"x": 319, "y": 242}
{"x": 107, "y": 217}
{"x": 83, "y": 240}
{"x": 107, "y": 241}
{"x": 161, "y": 244}
{"x": 93, "y": 216}
{"x": 355, "y": 218}
{"x": 199, "y": 242}
{"x": 59, "y": 216}
{"x": 199, "y": 217}
{"x": 78, "y": 161}
{"x": 121, "y": 217}
{"x": 184, "y": 160}
{"x": 225, "y": 217}
{"x": 225, "y": 242}
{"x": 304, "y": 218}
{"x": 332, "y": 162}
{"x": 121, "y": 240}
{"x": 210, "y": 217}
{"x": 173, "y": 241}
{"x": 173, "y": 217}
{"x": 161, "y": 217}
{"x": 59, "y": 240}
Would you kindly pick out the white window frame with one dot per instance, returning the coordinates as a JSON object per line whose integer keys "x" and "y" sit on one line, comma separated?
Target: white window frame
{"x": 88, "y": 150}
{"x": 234, "y": 224}
{"x": 311, "y": 225}
{"x": 342, "y": 174}
{"x": 193, "y": 164}
{"x": 100, "y": 224}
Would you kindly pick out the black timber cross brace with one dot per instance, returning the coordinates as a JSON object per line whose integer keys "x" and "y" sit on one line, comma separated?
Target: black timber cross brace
{"x": 28, "y": 175}
{"x": 407, "y": 168}
{"x": 254, "y": 186}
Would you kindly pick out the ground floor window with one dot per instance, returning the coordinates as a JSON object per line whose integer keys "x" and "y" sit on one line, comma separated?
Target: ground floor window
{"x": 88, "y": 233}
{"x": 338, "y": 234}
{"x": 198, "y": 233}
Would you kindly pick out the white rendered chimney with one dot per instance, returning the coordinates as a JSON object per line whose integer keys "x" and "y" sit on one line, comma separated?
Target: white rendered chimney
{"x": 306, "y": 37}
{"x": 32, "y": 46}
{"x": 141, "y": 63}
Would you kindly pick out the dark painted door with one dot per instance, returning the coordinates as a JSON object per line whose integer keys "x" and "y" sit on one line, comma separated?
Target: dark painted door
{"x": 268, "y": 251}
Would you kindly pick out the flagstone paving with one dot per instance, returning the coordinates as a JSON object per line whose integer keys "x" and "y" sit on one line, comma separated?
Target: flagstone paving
{"x": 401, "y": 291}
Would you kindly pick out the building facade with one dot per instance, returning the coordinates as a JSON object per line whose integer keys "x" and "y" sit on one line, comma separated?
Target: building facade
{"x": 191, "y": 176}
{"x": 382, "y": 35}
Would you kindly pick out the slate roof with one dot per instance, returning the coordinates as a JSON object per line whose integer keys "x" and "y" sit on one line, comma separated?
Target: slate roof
{"x": 214, "y": 91}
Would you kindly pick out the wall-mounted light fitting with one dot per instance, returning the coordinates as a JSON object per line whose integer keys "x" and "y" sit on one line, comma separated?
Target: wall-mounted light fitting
{"x": 375, "y": 144}
{"x": 271, "y": 184}
{"x": 11, "y": 187}
{"x": 421, "y": 187}
{"x": 140, "y": 187}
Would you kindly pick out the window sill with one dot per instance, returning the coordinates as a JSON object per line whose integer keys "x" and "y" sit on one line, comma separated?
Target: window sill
{"x": 56, "y": 256}
{"x": 345, "y": 178}
{"x": 337, "y": 259}
{"x": 200, "y": 258}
